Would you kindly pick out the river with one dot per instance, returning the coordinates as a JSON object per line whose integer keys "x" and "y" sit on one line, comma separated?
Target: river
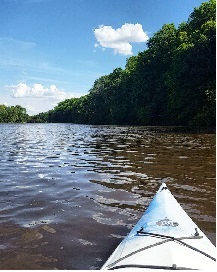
{"x": 70, "y": 193}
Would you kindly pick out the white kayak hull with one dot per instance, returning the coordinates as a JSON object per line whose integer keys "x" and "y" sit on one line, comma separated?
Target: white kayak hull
{"x": 164, "y": 238}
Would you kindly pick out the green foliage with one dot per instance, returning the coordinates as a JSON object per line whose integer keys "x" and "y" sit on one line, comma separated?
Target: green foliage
{"x": 170, "y": 83}
{"x": 13, "y": 114}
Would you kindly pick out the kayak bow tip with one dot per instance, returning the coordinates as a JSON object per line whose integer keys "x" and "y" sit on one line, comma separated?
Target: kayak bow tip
{"x": 162, "y": 187}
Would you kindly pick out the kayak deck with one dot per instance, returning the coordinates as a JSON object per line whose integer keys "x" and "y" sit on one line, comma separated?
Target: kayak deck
{"x": 164, "y": 238}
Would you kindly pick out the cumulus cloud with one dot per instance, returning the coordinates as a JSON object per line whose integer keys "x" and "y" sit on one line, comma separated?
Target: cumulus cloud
{"x": 120, "y": 39}
{"x": 37, "y": 91}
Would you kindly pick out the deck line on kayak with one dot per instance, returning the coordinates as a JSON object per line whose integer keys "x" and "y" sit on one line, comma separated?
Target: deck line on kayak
{"x": 167, "y": 239}
{"x": 174, "y": 267}
{"x": 166, "y": 231}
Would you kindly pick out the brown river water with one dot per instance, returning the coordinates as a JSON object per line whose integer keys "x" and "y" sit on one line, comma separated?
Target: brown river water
{"x": 70, "y": 193}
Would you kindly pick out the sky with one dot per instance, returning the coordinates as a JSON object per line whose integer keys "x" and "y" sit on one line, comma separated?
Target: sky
{"x": 52, "y": 50}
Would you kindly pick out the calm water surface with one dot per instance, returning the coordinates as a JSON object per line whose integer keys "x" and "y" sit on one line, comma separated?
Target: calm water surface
{"x": 70, "y": 193}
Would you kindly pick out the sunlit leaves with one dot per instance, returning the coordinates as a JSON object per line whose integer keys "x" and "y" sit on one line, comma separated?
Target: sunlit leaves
{"x": 170, "y": 83}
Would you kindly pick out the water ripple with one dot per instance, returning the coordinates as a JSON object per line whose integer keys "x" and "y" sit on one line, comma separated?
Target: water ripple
{"x": 75, "y": 188}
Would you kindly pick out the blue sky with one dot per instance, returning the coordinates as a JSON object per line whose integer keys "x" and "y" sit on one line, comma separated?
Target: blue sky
{"x": 51, "y": 50}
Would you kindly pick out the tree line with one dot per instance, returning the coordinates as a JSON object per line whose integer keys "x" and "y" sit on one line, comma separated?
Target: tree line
{"x": 172, "y": 82}
{"x": 13, "y": 114}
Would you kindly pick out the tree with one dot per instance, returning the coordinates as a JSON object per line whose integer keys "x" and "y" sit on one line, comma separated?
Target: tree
{"x": 13, "y": 114}
{"x": 172, "y": 82}
{"x": 192, "y": 77}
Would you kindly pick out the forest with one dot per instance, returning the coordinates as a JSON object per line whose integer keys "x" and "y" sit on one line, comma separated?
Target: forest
{"x": 172, "y": 82}
{"x": 13, "y": 114}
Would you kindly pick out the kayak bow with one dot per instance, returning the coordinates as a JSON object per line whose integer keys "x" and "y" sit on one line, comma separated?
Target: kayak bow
{"x": 164, "y": 238}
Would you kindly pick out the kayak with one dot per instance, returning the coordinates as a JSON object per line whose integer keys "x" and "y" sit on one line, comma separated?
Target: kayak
{"x": 164, "y": 238}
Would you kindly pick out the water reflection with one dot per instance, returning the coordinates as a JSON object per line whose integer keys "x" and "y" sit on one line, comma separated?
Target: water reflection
{"x": 69, "y": 190}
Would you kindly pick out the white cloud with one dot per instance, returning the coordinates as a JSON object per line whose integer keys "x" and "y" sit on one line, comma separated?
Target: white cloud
{"x": 37, "y": 91}
{"x": 35, "y": 98}
{"x": 119, "y": 39}
{"x": 31, "y": 108}
{"x": 20, "y": 90}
